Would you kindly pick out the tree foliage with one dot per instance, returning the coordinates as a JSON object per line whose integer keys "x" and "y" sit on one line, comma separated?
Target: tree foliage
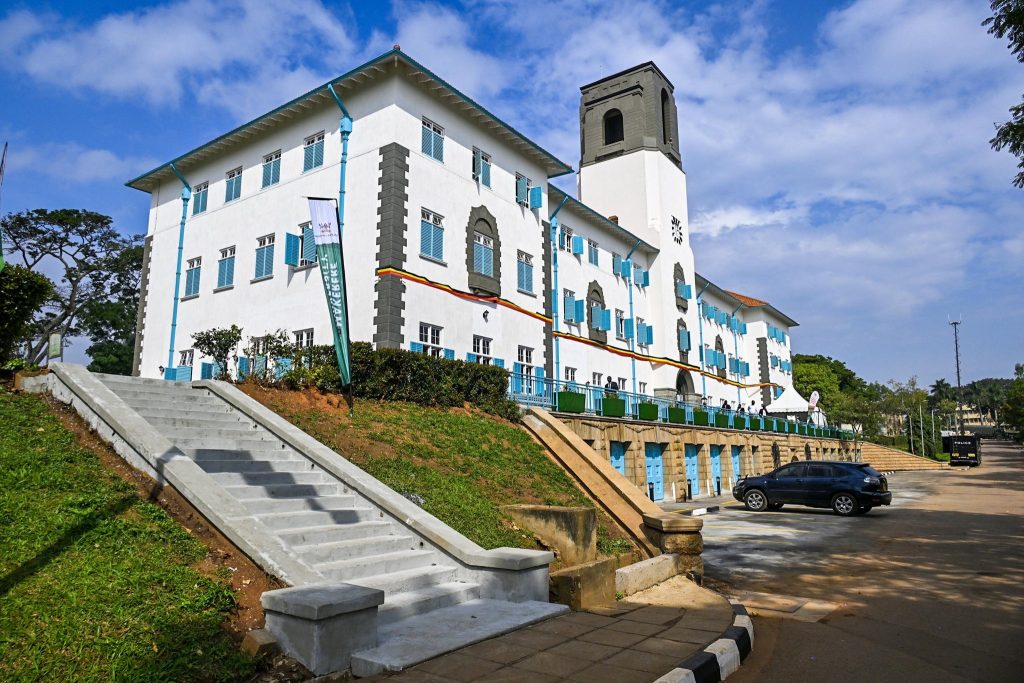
{"x": 110, "y": 323}
{"x": 84, "y": 248}
{"x": 220, "y": 344}
{"x": 1007, "y": 21}
{"x": 1012, "y": 412}
{"x": 22, "y": 294}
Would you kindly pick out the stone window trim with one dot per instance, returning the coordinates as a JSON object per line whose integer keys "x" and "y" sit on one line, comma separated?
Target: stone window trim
{"x": 482, "y": 221}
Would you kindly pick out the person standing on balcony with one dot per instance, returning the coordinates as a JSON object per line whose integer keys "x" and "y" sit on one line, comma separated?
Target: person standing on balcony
{"x": 611, "y": 387}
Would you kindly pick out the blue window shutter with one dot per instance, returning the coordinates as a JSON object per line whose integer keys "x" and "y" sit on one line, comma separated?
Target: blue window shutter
{"x": 222, "y": 267}
{"x": 449, "y": 354}
{"x": 521, "y": 190}
{"x": 206, "y": 371}
{"x": 439, "y": 147}
{"x": 606, "y": 320}
{"x": 616, "y": 263}
{"x": 243, "y": 367}
{"x": 478, "y": 162}
{"x": 498, "y": 362}
{"x": 478, "y": 258}
{"x": 529, "y": 278}
{"x": 231, "y": 271}
{"x": 416, "y": 347}
{"x": 291, "y": 249}
{"x": 318, "y": 153}
{"x": 488, "y": 262}
{"x": 259, "y": 364}
{"x": 281, "y": 366}
{"x": 308, "y": 244}
{"x": 427, "y": 141}
{"x": 517, "y": 378}
{"x": 267, "y": 173}
{"x": 470, "y": 357}
{"x": 307, "y": 158}
{"x": 647, "y": 278}
{"x": 437, "y": 243}
{"x": 627, "y": 324}
{"x": 538, "y": 384}
{"x": 687, "y": 292}
{"x": 537, "y": 198}
{"x": 425, "y": 239}
{"x": 268, "y": 266}
{"x": 650, "y": 334}
{"x": 577, "y": 244}
{"x": 627, "y": 267}
{"x": 569, "y": 308}
{"x": 579, "y": 314}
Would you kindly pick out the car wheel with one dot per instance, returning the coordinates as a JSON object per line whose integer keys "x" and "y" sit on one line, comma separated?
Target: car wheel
{"x": 755, "y": 500}
{"x": 774, "y": 506}
{"x": 844, "y": 504}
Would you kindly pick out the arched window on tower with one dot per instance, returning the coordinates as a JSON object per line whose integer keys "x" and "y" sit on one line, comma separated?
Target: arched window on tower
{"x": 665, "y": 115}
{"x": 613, "y": 131}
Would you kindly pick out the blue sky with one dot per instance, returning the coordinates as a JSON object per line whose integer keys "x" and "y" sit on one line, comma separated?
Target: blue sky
{"x": 836, "y": 153}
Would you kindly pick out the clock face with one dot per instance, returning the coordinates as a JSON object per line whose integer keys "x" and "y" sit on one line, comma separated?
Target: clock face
{"x": 677, "y": 230}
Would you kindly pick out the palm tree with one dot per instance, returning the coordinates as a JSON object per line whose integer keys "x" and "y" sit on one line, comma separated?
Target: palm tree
{"x": 941, "y": 391}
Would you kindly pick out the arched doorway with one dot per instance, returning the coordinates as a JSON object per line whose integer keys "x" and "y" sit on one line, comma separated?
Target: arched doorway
{"x": 685, "y": 387}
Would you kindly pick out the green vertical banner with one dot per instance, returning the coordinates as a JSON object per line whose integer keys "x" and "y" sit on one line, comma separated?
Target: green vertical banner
{"x": 324, "y": 217}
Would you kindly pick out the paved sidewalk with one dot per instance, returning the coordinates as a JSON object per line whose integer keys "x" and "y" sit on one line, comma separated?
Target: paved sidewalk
{"x": 637, "y": 639}
{"x": 703, "y": 502}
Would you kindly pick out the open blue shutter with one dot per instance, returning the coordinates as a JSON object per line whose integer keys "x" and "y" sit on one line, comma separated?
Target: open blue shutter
{"x": 628, "y": 328}
{"x": 579, "y": 313}
{"x": 538, "y": 384}
{"x": 569, "y": 305}
{"x": 291, "y": 249}
{"x": 206, "y": 371}
{"x": 308, "y": 244}
{"x": 243, "y": 367}
{"x": 536, "y": 198}
{"x": 498, "y": 362}
{"x": 517, "y": 378}
{"x": 616, "y": 264}
{"x": 577, "y": 244}
{"x": 606, "y": 320}
{"x": 449, "y": 354}
{"x": 485, "y": 176}
{"x": 281, "y": 366}
{"x": 478, "y": 162}
{"x": 521, "y": 190}
{"x": 416, "y": 347}
{"x": 650, "y": 334}
{"x": 470, "y": 357}
{"x": 625, "y": 267}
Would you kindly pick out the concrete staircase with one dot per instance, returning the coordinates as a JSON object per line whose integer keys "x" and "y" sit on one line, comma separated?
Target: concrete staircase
{"x": 318, "y": 515}
{"x": 886, "y": 459}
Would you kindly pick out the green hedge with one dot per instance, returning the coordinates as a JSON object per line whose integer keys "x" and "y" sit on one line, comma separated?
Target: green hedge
{"x": 397, "y": 375}
{"x": 648, "y": 412}
{"x": 571, "y": 402}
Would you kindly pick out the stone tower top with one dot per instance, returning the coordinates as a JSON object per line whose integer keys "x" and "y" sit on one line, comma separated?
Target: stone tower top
{"x": 631, "y": 110}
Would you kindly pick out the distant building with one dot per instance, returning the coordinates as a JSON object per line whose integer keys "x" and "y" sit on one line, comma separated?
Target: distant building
{"x": 448, "y": 246}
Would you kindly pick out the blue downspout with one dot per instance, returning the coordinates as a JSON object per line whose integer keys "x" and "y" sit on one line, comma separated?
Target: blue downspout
{"x": 554, "y": 291}
{"x": 186, "y": 194}
{"x": 736, "y": 351}
{"x": 345, "y": 127}
{"x": 700, "y": 330}
{"x": 632, "y": 342}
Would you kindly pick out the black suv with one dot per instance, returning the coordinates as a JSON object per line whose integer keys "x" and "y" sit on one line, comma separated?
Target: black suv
{"x": 849, "y": 488}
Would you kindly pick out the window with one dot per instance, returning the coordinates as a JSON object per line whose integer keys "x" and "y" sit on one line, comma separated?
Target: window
{"x": 482, "y": 349}
{"x": 526, "y": 368}
{"x": 432, "y": 140}
{"x": 307, "y": 245}
{"x": 642, "y": 387}
{"x": 430, "y": 337}
{"x": 272, "y": 169}
{"x": 313, "y": 152}
{"x": 226, "y": 268}
{"x": 592, "y": 252}
{"x": 264, "y": 257}
{"x": 665, "y": 123}
{"x": 613, "y": 130}
{"x": 596, "y": 379}
{"x": 483, "y": 255}
{"x": 192, "y": 276}
{"x": 303, "y": 339}
{"x": 620, "y": 324}
{"x": 525, "y": 355}
{"x": 233, "y": 185}
{"x": 187, "y": 357}
{"x": 622, "y": 383}
{"x": 570, "y": 374}
{"x": 431, "y": 235}
{"x": 481, "y": 167}
{"x": 199, "y": 194}
{"x": 793, "y": 471}
{"x": 523, "y": 185}
{"x": 524, "y": 272}
{"x": 565, "y": 239}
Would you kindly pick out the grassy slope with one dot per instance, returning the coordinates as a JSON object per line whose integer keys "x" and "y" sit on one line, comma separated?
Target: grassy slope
{"x": 96, "y": 583}
{"x": 463, "y": 464}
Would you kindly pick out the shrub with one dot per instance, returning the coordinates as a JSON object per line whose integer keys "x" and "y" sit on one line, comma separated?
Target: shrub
{"x": 219, "y": 344}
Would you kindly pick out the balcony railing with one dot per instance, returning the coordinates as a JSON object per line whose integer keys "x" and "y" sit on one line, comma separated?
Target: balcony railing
{"x": 586, "y": 399}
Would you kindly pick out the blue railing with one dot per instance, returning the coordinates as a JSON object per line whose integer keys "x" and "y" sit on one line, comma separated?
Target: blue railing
{"x": 591, "y": 400}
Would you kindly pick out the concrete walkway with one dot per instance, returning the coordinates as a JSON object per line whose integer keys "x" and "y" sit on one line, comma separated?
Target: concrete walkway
{"x": 637, "y": 639}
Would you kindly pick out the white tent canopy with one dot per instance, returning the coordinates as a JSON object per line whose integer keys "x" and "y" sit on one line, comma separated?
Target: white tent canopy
{"x": 789, "y": 402}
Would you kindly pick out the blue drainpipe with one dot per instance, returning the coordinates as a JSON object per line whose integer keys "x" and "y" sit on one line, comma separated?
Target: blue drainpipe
{"x": 186, "y": 194}
{"x": 554, "y": 291}
{"x": 736, "y": 351}
{"x": 700, "y": 330}
{"x": 345, "y": 127}
{"x": 632, "y": 342}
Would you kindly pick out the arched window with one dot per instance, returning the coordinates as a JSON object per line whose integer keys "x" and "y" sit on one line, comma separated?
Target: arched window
{"x": 665, "y": 114}
{"x": 720, "y": 347}
{"x": 613, "y": 131}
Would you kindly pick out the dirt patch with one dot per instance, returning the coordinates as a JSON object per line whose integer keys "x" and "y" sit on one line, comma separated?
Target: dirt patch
{"x": 223, "y": 560}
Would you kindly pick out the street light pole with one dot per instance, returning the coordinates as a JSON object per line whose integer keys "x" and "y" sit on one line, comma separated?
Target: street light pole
{"x": 956, "y": 346}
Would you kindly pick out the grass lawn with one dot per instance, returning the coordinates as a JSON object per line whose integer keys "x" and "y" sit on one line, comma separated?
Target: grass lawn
{"x": 97, "y": 584}
{"x": 463, "y": 464}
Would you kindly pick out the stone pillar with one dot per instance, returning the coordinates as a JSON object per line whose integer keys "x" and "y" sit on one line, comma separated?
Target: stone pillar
{"x": 679, "y": 535}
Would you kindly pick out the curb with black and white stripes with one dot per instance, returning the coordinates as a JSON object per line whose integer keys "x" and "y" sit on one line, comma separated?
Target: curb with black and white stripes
{"x": 721, "y": 658}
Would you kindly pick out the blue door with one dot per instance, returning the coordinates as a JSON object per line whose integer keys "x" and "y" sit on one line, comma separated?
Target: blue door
{"x": 716, "y": 468}
{"x": 735, "y": 463}
{"x": 691, "y": 468}
{"x": 618, "y": 453}
{"x": 655, "y": 471}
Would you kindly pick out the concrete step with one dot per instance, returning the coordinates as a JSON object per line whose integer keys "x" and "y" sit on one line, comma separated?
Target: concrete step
{"x": 203, "y": 455}
{"x": 410, "y": 641}
{"x": 254, "y": 466}
{"x": 371, "y": 565}
{"x": 408, "y": 580}
{"x": 333, "y": 533}
{"x": 251, "y": 444}
{"x": 283, "y": 521}
{"x": 109, "y": 379}
{"x": 264, "y": 506}
{"x": 245, "y": 492}
{"x": 138, "y": 399}
{"x": 423, "y": 600}
{"x": 239, "y": 433}
{"x": 202, "y": 421}
{"x": 182, "y": 410}
{"x": 356, "y": 547}
{"x": 271, "y": 478}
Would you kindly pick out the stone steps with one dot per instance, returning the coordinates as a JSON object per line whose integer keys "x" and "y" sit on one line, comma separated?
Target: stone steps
{"x": 273, "y": 478}
{"x": 406, "y": 605}
{"x": 263, "y": 506}
{"x": 282, "y": 521}
{"x": 371, "y": 565}
{"x": 355, "y": 547}
{"x": 296, "y": 464}
{"x": 407, "y": 580}
{"x": 333, "y": 533}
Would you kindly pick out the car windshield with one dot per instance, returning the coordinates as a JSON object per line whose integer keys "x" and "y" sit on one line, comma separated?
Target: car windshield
{"x": 871, "y": 470}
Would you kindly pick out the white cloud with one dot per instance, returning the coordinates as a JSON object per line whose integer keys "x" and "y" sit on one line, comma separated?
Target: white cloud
{"x": 225, "y": 50}
{"x": 73, "y": 163}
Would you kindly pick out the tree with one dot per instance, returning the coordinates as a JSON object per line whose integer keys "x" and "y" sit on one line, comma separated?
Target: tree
{"x": 219, "y": 343}
{"x": 110, "y": 324}
{"x": 22, "y": 294}
{"x": 87, "y": 250}
{"x": 1013, "y": 408}
{"x": 809, "y": 377}
{"x": 1007, "y": 20}
{"x": 941, "y": 391}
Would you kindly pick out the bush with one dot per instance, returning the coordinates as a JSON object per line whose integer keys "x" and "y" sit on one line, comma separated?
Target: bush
{"x": 22, "y": 293}
{"x": 397, "y": 375}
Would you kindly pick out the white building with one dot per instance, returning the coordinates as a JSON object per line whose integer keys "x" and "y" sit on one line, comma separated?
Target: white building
{"x": 448, "y": 244}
